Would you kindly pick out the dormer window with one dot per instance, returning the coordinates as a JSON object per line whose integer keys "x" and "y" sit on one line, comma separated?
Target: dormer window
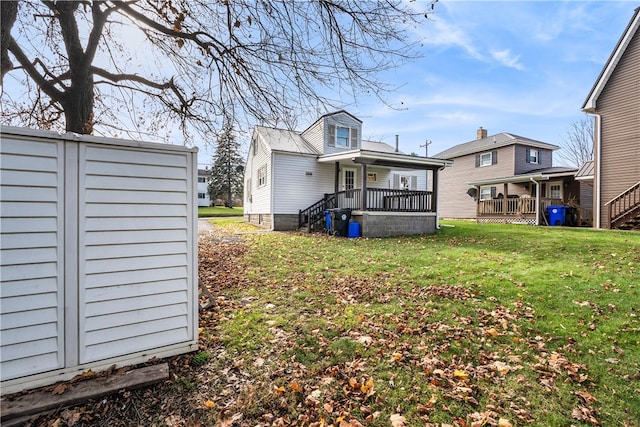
{"x": 342, "y": 137}
{"x": 533, "y": 156}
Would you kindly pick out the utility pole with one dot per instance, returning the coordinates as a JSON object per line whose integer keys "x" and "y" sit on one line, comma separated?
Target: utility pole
{"x": 426, "y": 145}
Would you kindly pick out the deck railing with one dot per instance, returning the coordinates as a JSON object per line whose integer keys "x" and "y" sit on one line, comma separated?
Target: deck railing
{"x": 378, "y": 199}
{"x": 514, "y": 206}
{"x": 387, "y": 200}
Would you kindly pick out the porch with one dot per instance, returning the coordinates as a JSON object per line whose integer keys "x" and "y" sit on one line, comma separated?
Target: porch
{"x": 366, "y": 203}
{"x": 514, "y": 209}
{"x": 524, "y": 199}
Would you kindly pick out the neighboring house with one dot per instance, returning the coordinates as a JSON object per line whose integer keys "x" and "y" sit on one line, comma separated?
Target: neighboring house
{"x": 203, "y": 187}
{"x": 493, "y": 168}
{"x": 614, "y": 101}
{"x": 292, "y": 177}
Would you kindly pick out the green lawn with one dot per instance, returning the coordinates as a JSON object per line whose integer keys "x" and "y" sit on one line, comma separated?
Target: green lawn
{"x": 477, "y": 325}
{"x": 219, "y": 211}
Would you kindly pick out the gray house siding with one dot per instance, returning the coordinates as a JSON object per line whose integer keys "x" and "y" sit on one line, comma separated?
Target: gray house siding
{"x": 619, "y": 107}
{"x": 545, "y": 159}
{"x": 454, "y": 200}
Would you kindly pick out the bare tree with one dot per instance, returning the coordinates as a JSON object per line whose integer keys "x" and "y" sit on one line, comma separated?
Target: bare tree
{"x": 577, "y": 147}
{"x": 143, "y": 65}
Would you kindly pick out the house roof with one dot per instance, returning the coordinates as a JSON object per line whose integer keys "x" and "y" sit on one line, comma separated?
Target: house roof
{"x": 589, "y": 105}
{"x": 378, "y": 146}
{"x": 285, "y": 140}
{"x": 332, "y": 114}
{"x": 535, "y": 175}
{"x": 586, "y": 171}
{"x": 490, "y": 143}
{"x": 389, "y": 159}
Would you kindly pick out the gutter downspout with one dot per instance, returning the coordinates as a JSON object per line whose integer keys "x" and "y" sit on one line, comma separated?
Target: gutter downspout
{"x": 596, "y": 172}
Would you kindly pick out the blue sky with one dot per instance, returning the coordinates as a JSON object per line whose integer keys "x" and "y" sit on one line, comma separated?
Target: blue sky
{"x": 508, "y": 66}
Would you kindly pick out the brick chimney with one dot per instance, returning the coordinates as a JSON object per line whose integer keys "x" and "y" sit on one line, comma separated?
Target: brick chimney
{"x": 481, "y": 133}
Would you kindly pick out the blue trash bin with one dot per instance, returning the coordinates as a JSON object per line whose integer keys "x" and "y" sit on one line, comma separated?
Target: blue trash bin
{"x": 557, "y": 215}
{"x": 327, "y": 219}
{"x": 354, "y": 229}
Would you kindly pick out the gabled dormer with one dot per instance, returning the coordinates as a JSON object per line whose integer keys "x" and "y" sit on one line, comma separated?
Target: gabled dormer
{"x": 335, "y": 132}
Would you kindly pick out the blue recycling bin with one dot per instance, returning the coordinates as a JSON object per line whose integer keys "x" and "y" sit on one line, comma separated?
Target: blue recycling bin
{"x": 327, "y": 219}
{"x": 354, "y": 229}
{"x": 557, "y": 215}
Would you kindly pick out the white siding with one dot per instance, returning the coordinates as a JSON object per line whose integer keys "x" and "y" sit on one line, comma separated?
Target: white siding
{"x": 98, "y": 254}
{"x": 295, "y": 189}
{"x": 31, "y": 257}
{"x": 260, "y": 202}
{"x": 134, "y": 293}
{"x": 315, "y": 135}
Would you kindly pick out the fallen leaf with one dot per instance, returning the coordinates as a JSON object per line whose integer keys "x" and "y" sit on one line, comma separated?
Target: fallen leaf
{"x": 209, "y": 404}
{"x": 502, "y": 422}
{"x": 295, "y": 387}
{"x": 460, "y": 374}
{"x": 398, "y": 420}
{"x": 60, "y": 388}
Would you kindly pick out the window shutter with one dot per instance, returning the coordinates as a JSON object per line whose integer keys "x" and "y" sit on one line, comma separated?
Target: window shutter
{"x": 528, "y": 155}
{"x": 331, "y": 140}
{"x": 354, "y": 138}
{"x": 493, "y": 192}
{"x": 414, "y": 183}
{"x": 494, "y": 157}
{"x": 396, "y": 181}
{"x": 477, "y": 160}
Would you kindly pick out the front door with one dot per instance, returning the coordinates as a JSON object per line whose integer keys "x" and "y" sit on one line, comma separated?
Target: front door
{"x": 349, "y": 181}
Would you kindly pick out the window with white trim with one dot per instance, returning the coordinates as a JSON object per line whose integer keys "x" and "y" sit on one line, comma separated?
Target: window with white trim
{"x": 486, "y": 193}
{"x": 485, "y": 159}
{"x": 372, "y": 177}
{"x": 555, "y": 191}
{"x": 533, "y": 156}
{"x": 262, "y": 176}
{"x": 342, "y": 137}
{"x": 202, "y": 179}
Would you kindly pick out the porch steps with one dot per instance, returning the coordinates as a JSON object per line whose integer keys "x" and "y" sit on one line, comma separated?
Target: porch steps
{"x": 624, "y": 209}
{"x": 633, "y": 223}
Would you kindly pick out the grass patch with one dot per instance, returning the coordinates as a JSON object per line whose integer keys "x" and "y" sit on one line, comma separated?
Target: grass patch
{"x": 535, "y": 325}
{"x": 219, "y": 211}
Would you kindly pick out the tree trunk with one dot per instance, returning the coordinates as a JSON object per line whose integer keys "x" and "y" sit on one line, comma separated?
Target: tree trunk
{"x": 9, "y": 10}
{"x": 78, "y": 104}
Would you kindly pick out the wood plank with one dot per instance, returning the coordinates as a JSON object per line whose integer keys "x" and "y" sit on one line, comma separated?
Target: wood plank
{"x": 80, "y": 392}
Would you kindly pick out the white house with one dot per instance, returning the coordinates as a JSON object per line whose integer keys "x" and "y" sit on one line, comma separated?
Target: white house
{"x": 203, "y": 188}
{"x": 292, "y": 177}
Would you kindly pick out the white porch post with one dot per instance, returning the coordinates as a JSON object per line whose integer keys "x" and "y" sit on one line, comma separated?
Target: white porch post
{"x": 363, "y": 192}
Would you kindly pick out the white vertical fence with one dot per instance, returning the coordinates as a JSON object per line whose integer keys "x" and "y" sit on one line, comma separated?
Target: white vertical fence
{"x": 98, "y": 259}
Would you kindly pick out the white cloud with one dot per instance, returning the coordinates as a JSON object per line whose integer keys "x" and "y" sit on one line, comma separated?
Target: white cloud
{"x": 507, "y": 59}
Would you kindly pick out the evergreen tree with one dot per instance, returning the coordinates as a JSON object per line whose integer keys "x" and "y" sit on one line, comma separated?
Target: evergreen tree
{"x": 227, "y": 168}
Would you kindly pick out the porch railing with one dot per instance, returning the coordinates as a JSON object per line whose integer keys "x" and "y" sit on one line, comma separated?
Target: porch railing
{"x": 514, "y": 206}
{"x": 378, "y": 199}
{"x": 387, "y": 200}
